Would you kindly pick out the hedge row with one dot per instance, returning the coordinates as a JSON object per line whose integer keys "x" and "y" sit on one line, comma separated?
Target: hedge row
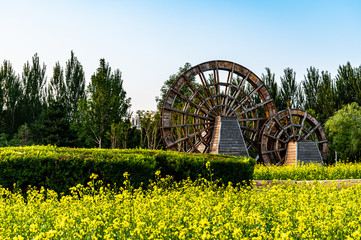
{"x": 61, "y": 168}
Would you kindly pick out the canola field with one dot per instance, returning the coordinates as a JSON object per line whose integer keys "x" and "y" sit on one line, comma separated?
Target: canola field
{"x": 186, "y": 210}
{"x": 308, "y": 172}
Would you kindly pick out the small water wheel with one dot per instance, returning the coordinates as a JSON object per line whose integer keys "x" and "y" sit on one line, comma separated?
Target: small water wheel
{"x": 207, "y": 92}
{"x": 286, "y": 130}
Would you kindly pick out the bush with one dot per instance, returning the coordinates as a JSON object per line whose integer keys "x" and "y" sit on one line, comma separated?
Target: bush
{"x": 61, "y": 168}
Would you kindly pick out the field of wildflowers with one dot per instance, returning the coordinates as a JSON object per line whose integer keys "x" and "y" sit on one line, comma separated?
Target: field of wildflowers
{"x": 185, "y": 210}
{"x": 308, "y": 172}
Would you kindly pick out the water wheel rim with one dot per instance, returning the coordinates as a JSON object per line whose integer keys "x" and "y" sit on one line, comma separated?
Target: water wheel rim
{"x": 200, "y": 101}
{"x": 285, "y": 126}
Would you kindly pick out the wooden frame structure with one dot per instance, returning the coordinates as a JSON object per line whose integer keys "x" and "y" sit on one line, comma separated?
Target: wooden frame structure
{"x": 202, "y": 96}
{"x": 211, "y": 89}
{"x": 289, "y": 126}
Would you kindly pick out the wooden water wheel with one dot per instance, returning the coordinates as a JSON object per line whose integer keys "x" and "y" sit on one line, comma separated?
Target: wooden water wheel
{"x": 208, "y": 90}
{"x": 288, "y": 127}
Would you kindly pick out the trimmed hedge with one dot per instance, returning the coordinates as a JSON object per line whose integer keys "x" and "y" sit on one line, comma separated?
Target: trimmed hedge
{"x": 61, "y": 168}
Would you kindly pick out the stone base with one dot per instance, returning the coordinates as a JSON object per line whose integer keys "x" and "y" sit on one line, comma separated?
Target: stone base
{"x": 227, "y": 137}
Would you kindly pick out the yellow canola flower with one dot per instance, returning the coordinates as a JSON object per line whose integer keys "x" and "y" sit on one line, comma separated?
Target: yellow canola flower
{"x": 187, "y": 210}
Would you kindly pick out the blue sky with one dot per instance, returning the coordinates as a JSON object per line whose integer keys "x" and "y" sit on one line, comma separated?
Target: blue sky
{"x": 149, "y": 40}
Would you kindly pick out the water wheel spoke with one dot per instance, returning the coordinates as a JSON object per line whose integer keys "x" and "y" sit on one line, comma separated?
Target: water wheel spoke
{"x": 248, "y": 129}
{"x": 205, "y": 140}
{"x": 293, "y": 127}
{"x": 281, "y": 162}
{"x": 254, "y": 107}
{"x": 275, "y": 150}
{"x": 226, "y": 91}
{"x": 216, "y": 78}
{"x": 251, "y": 119}
{"x": 206, "y": 85}
{"x": 187, "y": 100}
{"x": 245, "y": 99}
{"x": 192, "y": 148}
{"x": 189, "y": 136}
{"x": 282, "y": 128}
{"x": 197, "y": 93}
{"x": 275, "y": 138}
{"x": 302, "y": 125}
{"x": 312, "y": 130}
{"x": 187, "y": 113}
{"x": 186, "y": 125}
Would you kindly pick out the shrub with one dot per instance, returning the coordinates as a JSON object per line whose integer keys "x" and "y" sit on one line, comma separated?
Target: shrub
{"x": 61, "y": 168}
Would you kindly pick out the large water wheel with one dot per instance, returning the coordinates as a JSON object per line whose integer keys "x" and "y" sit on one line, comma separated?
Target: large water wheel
{"x": 207, "y": 91}
{"x": 289, "y": 128}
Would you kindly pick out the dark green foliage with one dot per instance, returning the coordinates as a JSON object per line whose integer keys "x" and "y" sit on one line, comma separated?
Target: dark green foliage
{"x": 107, "y": 104}
{"x": 271, "y": 85}
{"x": 134, "y": 137}
{"x": 289, "y": 91}
{"x": 75, "y": 86}
{"x": 348, "y": 85}
{"x": 56, "y": 89}
{"x": 10, "y": 96}
{"x": 184, "y": 165}
{"x": 311, "y": 85}
{"x": 61, "y": 168}
{"x": 168, "y": 83}
{"x": 33, "y": 81}
{"x": 53, "y": 126}
{"x": 23, "y": 137}
{"x": 326, "y": 101}
{"x": 344, "y": 132}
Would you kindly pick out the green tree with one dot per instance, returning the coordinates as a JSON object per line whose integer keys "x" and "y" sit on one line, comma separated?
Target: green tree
{"x": 106, "y": 104}
{"x": 150, "y": 129}
{"x": 119, "y": 134}
{"x": 53, "y": 126}
{"x": 168, "y": 83}
{"x": 348, "y": 85}
{"x": 33, "y": 80}
{"x": 11, "y": 93}
{"x": 133, "y": 140}
{"x": 326, "y": 102}
{"x": 23, "y": 137}
{"x": 2, "y": 99}
{"x": 344, "y": 132}
{"x": 271, "y": 85}
{"x": 311, "y": 85}
{"x": 56, "y": 88}
{"x": 75, "y": 85}
{"x": 289, "y": 92}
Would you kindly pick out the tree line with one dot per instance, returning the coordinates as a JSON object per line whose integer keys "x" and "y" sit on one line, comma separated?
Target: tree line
{"x": 318, "y": 93}
{"x": 325, "y": 97}
{"x": 63, "y": 111}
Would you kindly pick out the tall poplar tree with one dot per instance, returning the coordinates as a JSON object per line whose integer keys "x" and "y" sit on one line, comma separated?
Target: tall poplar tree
{"x": 348, "y": 85}
{"x": 75, "y": 85}
{"x": 311, "y": 85}
{"x": 289, "y": 92}
{"x": 326, "y": 101}
{"x": 107, "y": 104}
{"x": 11, "y": 93}
{"x": 33, "y": 81}
{"x": 56, "y": 88}
{"x": 271, "y": 85}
